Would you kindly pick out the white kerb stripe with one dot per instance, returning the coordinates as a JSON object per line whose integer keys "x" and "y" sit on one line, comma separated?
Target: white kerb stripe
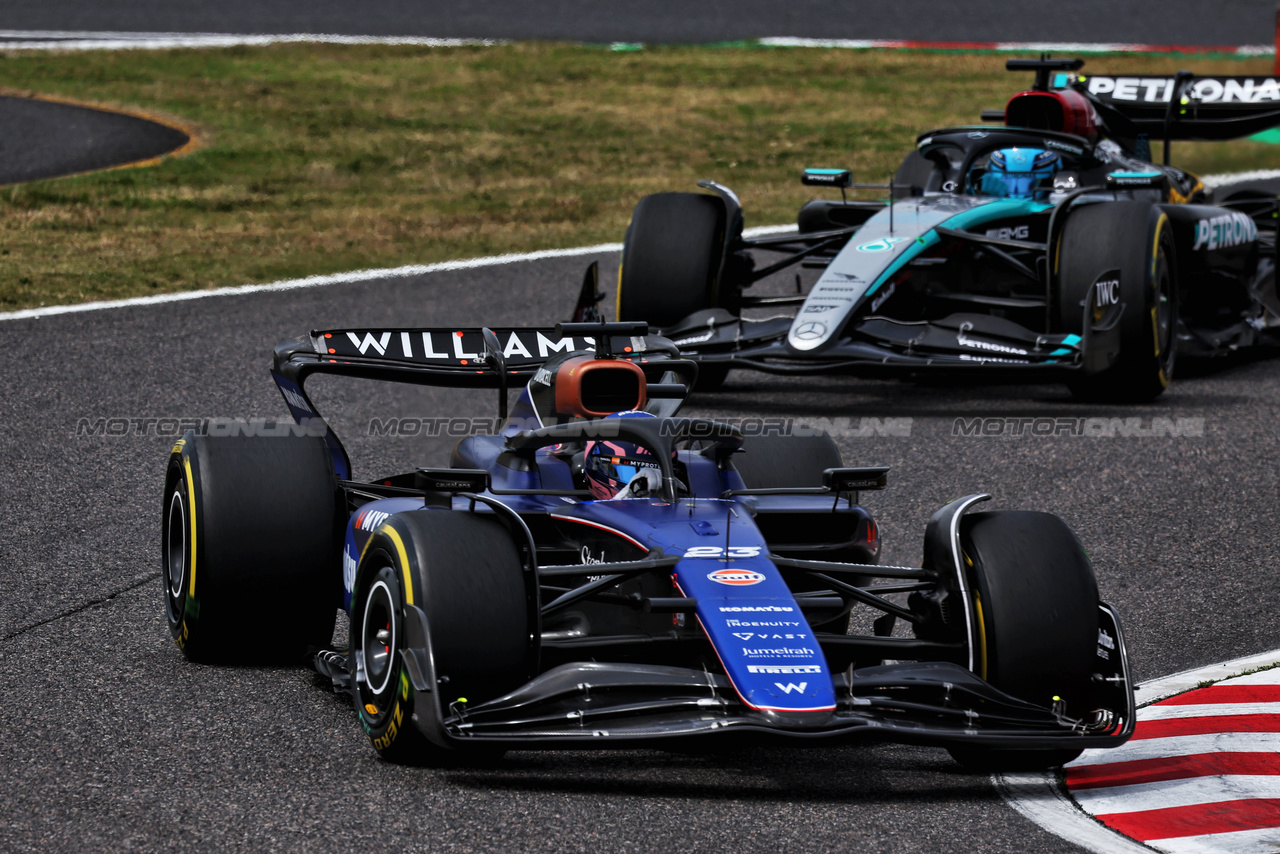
{"x": 1262, "y": 677}
{"x": 1207, "y": 710}
{"x": 1186, "y": 792}
{"x": 1178, "y": 683}
{"x": 1262, "y": 841}
{"x": 1182, "y": 745}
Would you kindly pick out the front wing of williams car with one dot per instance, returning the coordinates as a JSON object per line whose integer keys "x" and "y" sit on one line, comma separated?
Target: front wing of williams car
{"x": 777, "y": 676}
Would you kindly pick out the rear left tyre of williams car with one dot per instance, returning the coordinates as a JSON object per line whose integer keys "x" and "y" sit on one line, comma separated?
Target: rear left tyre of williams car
{"x": 250, "y": 550}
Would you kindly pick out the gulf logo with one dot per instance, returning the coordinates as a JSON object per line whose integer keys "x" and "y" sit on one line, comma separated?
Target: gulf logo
{"x": 735, "y": 577}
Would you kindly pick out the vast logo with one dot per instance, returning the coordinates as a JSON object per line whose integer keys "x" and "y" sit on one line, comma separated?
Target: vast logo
{"x": 736, "y": 577}
{"x": 884, "y": 244}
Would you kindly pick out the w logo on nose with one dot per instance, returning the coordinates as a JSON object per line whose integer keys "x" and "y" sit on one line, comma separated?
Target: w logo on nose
{"x": 791, "y": 686}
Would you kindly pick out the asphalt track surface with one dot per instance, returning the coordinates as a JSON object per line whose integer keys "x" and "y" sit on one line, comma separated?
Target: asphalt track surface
{"x": 1172, "y": 22}
{"x": 113, "y": 741}
{"x": 40, "y": 139}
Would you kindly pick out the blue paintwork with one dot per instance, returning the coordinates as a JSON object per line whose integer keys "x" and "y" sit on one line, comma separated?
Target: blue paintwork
{"x": 359, "y": 527}
{"x": 753, "y": 622}
{"x": 304, "y": 413}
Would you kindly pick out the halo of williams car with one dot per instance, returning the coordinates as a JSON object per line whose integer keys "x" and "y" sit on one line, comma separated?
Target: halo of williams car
{"x": 1048, "y": 247}
{"x": 603, "y": 572}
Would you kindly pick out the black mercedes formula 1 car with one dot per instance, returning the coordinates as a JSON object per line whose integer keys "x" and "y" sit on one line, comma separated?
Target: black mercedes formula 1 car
{"x": 1048, "y": 247}
{"x": 601, "y": 572}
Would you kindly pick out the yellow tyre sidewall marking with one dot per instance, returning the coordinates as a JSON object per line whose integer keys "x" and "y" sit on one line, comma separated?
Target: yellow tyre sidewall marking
{"x": 191, "y": 505}
{"x": 406, "y": 574}
{"x": 982, "y": 636}
{"x": 1155, "y": 285}
{"x": 396, "y": 716}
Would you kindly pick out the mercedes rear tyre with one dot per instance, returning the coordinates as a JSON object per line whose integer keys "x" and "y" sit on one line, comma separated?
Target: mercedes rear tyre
{"x": 672, "y": 256}
{"x": 251, "y": 547}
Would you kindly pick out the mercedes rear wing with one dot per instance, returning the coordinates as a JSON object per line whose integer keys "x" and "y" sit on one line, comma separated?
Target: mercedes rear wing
{"x": 1185, "y": 106}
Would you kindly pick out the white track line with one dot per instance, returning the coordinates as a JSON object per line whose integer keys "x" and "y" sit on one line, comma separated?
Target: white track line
{"x": 109, "y": 40}
{"x": 1256, "y": 175}
{"x": 1020, "y": 47}
{"x": 312, "y": 281}
{"x": 73, "y": 40}
{"x": 344, "y": 278}
{"x": 1038, "y": 797}
{"x": 444, "y": 266}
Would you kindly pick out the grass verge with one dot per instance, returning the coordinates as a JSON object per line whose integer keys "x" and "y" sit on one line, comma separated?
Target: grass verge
{"x": 325, "y": 158}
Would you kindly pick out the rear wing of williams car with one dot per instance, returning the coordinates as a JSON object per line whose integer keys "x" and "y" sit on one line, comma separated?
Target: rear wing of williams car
{"x": 457, "y": 357}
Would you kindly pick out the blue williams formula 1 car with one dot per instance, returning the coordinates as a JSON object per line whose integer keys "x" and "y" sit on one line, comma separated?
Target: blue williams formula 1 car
{"x": 602, "y": 572}
{"x": 1047, "y": 248}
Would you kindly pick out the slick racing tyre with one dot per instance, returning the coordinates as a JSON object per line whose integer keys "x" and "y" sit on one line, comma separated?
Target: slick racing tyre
{"x": 672, "y": 256}
{"x": 460, "y": 573}
{"x": 1035, "y": 600}
{"x": 1131, "y": 241}
{"x": 251, "y": 547}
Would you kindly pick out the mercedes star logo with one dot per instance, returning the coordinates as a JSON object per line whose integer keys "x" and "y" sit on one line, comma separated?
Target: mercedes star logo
{"x": 810, "y": 331}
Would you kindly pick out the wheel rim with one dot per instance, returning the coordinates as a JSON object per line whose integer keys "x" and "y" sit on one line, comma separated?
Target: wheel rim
{"x": 379, "y": 636}
{"x": 176, "y": 553}
{"x": 1164, "y": 311}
